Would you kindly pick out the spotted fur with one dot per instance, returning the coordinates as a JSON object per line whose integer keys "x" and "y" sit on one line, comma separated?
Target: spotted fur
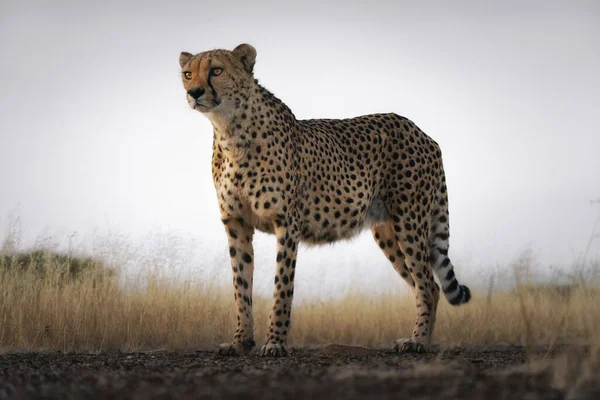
{"x": 318, "y": 181}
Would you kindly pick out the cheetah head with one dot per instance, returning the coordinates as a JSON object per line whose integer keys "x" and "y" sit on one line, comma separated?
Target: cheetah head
{"x": 218, "y": 81}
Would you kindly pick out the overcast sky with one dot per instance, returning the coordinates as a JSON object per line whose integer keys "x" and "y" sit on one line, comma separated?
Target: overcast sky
{"x": 96, "y": 133}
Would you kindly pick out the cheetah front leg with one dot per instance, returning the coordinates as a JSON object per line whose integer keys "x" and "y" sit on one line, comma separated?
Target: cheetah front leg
{"x": 280, "y": 316}
{"x": 240, "y": 236}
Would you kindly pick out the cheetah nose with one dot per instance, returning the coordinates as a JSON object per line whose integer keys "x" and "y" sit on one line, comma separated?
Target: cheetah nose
{"x": 195, "y": 93}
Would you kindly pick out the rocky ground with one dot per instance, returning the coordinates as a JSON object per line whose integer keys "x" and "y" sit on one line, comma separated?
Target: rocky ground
{"x": 334, "y": 371}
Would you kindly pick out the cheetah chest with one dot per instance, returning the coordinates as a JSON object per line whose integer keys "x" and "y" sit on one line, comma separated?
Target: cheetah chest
{"x": 244, "y": 193}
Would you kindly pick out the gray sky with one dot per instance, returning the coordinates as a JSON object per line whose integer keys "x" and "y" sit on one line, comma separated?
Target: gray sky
{"x": 96, "y": 134}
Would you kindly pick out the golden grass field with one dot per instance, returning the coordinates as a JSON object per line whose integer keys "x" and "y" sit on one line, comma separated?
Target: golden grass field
{"x": 49, "y": 301}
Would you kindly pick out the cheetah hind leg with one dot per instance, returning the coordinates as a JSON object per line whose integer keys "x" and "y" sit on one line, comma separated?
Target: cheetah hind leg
{"x": 385, "y": 237}
{"x": 410, "y": 345}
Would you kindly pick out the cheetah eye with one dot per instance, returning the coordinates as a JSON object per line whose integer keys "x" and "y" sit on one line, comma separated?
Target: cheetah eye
{"x": 187, "y": 75}
{"x": 216, "y": 71}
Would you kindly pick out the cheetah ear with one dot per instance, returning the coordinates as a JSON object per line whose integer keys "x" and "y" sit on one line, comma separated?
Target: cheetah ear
{"x": 247, "y": 55}
{"x": 184, "y": 58}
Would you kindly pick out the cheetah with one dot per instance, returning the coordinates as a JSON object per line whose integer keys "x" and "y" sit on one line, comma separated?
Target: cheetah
{"x": 318, "y": 181}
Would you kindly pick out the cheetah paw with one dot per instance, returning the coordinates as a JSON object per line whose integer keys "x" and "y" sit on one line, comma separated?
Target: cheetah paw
{"x": 409, "y": 346}
{"x": 274, "y": 350}
{"x": 236, "y": 348}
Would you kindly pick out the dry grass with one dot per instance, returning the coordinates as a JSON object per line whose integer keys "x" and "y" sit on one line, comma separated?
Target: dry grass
{"x": 95, "y": 310}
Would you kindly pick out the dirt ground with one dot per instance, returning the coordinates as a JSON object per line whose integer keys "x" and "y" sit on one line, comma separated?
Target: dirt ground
{"x": 330, "y": 372}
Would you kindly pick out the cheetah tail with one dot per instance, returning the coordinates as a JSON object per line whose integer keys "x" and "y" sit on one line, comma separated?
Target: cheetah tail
{"x": 455, "y": 293}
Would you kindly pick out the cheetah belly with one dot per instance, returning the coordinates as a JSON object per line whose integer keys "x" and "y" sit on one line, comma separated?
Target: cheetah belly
{"x": 351, "y": 222}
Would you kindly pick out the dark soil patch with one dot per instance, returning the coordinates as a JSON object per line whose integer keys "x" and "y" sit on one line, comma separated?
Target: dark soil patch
{"x": 330, "y": 372}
